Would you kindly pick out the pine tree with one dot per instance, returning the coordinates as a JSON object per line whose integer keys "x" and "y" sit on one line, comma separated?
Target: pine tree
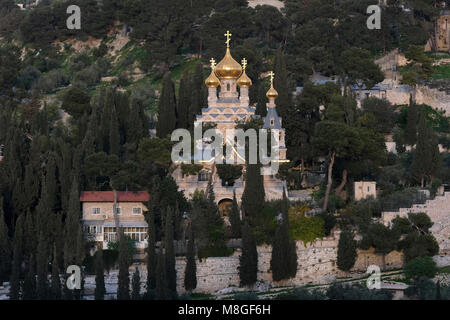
{"x": 281, "y": 84}
{"x": 136, "y": 285}
{"x": 114, "y": 135}
{"x": 190, "y": 273}
{"x": 29, "y": 283}
{"x": 170, "y": 254}
{"x": 166, "y": 108}
{"x": 5, "y": 247}
{"x": 284, "y": 257}
{"x": 99, "y": 276}
{"x": 235, "y": 219}
{"x": 253, "y": 196}
{"x": 42, "y": 265}
{"x": 14, "y": 282}
{"x": 56, "y": 280}
{"x": 248, "y": 261}
{"x": 411, "y": 123}
{"x": 346, "y": 255}
{"x": 261, "y": 108}
{"x": 184, "y": 101}
{"x": 123, "y": 289}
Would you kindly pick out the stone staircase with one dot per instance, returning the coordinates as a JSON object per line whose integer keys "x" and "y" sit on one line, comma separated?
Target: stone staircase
{"x": 438, "y": 209}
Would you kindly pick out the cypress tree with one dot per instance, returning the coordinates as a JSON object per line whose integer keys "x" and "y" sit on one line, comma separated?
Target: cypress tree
{"x": 438, "y": 290}
{"x": 346, "y": 255}
{"x": 411, "y": 123}
{"x": 190, "y": 273}
{"x": 14, "y": 290}
{"x": 151, "y": 253}
{"x": 114, "y": 135}
{"x": 166, "y": 108}
{"x": 235, "y": 219}
{"x": 426, "y": 156}
{"x": 284, "y": 257}
{"x": 99, "y": 276}
{"x": 254, "y": 195}
{"x": 29, "y": 283}
{"x": 161, "y": 290}
{"x": 136, "y": 285}
{"x": 72, "y": 224}
{"x": 261, "y": 108}
{"x": 197, "y": 93}
{"x": 184, "y": 101}
{"x": 56, "y": 280}
{"x": 170, "y": 254}
{"x": 41, "y": 266}
{"x": 123, "y": 289}
{"x": 281, "y": 84}
{"x": 5, "y": 247}
{"x": 248, "y": 261}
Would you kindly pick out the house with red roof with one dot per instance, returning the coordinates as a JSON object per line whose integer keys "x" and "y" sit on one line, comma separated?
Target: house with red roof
{"x": 104, "y": 211}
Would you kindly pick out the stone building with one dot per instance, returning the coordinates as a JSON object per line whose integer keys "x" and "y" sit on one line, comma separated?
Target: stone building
{"x": 365, "y": 189}
{"x": 225, "y": 110}
{"x": 443, "y": 31}
{"x": 103, "y": 211}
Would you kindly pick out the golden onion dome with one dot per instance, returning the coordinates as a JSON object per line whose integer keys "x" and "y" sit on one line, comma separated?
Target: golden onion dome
{"x": 228, "y": 68}
{"x": 212, "y": 81}
{"x": 244, "y": 81}
{"x": 272, "y": 93}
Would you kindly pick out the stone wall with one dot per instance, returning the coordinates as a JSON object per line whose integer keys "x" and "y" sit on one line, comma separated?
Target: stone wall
{"x": 438, "y": 210}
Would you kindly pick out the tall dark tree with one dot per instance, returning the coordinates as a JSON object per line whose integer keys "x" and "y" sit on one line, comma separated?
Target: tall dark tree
{"x": 72, "y": 226}
{"x": 136, "y": 285}
{"x": 170, "y": 254}
{"x": 184, "y": 101}
{"x": 114, "y": 135}
{"x": 426, "y": 156}
{"x": 281, "y": 84}
{"x": 55, "y": 293}
{"x": 248, "y": 261}
{"x": 41, "y": 268}
{"x": 411, "y": 123}
{"x": 29, "y": 283}
{"x": 5, "y": 247}
{"x": 254, "y": 195}
{"x": 261, "y": 108}
{"x": 346, "y": 255}
{"x": 166, "y": 108}
{"x": 284, "y": 257}
{"x": 14, "y": 283}
{"x": 123, "y": 289}
{"x": 100, "y": 289}
{"x": 151, "y": 247}
{"x": 161, "y": 290}
{"x": 197, "y": 88}
{"x": 190, "y": 273}
{"x": 235, "y": 218}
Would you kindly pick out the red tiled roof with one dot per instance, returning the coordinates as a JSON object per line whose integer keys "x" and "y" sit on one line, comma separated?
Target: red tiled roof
{"x": 108, "y": 196}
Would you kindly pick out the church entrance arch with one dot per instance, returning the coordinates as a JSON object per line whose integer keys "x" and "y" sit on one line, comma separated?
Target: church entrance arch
{"x": 225, "y": 207}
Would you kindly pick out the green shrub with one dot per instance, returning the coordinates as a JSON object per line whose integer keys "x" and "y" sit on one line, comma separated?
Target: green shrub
{"x": 420, "y": 267}
{"x": 250, "y": 295}
{"x": 214, "y": 251}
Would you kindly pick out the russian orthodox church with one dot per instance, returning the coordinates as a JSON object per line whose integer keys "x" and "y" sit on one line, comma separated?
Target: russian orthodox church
{"x": 225, "y": 109}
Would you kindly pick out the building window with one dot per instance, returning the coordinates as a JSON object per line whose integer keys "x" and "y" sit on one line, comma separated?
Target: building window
{"x": 118, "y": 210}
{"x": 135, "y": 233}
{"x": 228, "y": 87}
{"x": 94, "y": 229}
{"x": 203, "y": 175}
{"x": 95, "y": 210}
{"x": 271, "y": 121}
{"x": 368, "y": 189}
{"x": 137, "y": 210}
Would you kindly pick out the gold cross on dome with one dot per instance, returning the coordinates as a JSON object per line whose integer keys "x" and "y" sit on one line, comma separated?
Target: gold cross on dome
{"x": 228, "y": 35}
{"x": 244, "y": 63}
{"x": 213, "y": 63}
{"x": 271, "y": 74}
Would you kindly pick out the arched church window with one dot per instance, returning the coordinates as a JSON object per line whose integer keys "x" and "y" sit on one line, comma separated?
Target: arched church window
{"x": 228, "y": 87}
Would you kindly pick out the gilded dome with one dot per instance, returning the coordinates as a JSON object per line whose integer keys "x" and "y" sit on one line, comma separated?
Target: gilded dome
{"x": 228, "y": 68}
{"x": 272, "y": 93}
{"x": 212, "y": 81}
{"x": 244, "y": 81}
